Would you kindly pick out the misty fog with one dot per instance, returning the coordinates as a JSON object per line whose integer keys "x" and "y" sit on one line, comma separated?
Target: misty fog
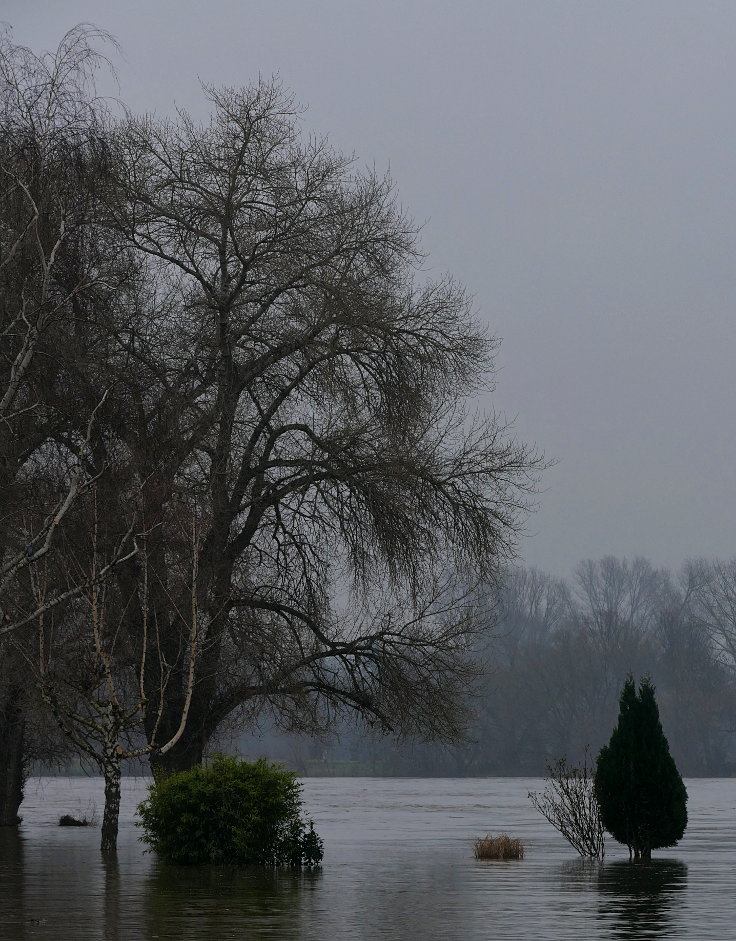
{"x": 574, "y": 165}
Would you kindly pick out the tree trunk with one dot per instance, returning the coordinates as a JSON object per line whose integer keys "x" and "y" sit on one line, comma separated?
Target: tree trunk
{"x": 189, "y": 749}
{"x": 111, "y": 813}
{"x": 12, "y": 765}
{"x": 188, "y": 752}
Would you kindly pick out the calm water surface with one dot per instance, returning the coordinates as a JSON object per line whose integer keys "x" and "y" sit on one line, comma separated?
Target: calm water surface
{"x": 398, "y": 864}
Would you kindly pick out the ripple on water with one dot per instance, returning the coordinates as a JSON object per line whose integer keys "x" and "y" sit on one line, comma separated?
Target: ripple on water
{"x": 398, "y": 864}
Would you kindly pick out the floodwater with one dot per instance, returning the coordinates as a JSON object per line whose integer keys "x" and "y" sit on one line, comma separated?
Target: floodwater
{"x": 398, "y": 864}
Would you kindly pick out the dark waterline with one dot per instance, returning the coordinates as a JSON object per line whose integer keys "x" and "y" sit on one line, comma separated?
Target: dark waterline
{"x": 398, "y": 864}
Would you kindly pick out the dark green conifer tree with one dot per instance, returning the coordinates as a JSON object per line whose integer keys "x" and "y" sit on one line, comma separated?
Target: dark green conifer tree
{"x": 642, "y": 797}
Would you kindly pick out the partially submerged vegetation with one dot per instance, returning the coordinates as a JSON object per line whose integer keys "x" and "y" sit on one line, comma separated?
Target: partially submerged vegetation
{"x": 67, "y": 820}
{"x": 642, "y": 796}
{"x": 498, "y": 847}
{"x": 87, "y": 817}
{"x": 570, "y": 804}
{"x": 233, "y": 813}
{"x": 635, "y": 791}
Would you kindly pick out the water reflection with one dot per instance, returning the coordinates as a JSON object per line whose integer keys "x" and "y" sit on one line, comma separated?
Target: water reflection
{"x": 111, "y": 913}
{"x": 398, "y": 864}
{"x": 580, "y": 874}
{"x": 12, "y": 905}
{"x": 642, "y": 900}
{"x": 217, "y": 901}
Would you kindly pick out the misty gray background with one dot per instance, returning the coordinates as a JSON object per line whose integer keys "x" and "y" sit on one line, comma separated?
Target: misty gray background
{"x": 574, "y": 163}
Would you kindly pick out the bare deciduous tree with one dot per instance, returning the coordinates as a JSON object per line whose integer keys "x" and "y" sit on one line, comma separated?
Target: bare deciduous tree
{"x": 90, "y": 675}
{"x": 711, "y": 598}
{"x": 618, "y": 599}
{"x": 323, "y": 430}
{"x": 50, "y": 151}
{"x": 49, "y": 145}
{"x": 241, "y": 319}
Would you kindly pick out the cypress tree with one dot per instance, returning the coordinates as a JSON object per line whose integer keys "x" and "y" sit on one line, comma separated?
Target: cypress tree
{"x": 639, "y": 789}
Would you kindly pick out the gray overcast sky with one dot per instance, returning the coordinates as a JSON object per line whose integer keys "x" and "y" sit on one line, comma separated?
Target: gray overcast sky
{"x": 575, "y": 162}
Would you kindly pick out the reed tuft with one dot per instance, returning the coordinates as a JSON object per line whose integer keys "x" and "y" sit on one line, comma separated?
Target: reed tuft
{"x": 498, "y": 847}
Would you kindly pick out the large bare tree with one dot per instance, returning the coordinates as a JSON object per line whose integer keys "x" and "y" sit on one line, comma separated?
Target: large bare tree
{"x": 311, "y": 390}
{"x": 234, "y": 327}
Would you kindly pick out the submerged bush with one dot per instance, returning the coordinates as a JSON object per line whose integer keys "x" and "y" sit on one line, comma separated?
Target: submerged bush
{"x": 86, "y": 818}
{"x": 234, "y": 812}
{"x": 571, "y": 806}
{"x": 499, "y": 847}
{"x": 67, "y": 820}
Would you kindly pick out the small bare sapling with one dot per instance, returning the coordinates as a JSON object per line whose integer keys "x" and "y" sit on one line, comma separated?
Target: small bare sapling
{"x": 569, "y": 803}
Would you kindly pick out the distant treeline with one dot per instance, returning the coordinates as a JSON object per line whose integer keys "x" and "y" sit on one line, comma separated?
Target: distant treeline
{"x": 555, "y": 654}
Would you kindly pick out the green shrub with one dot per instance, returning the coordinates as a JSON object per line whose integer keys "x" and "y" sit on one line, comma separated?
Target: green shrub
{"x": 233, "y": 812}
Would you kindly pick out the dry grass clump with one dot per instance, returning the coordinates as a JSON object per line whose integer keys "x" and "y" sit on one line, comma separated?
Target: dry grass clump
{"x": 498, "y": 847}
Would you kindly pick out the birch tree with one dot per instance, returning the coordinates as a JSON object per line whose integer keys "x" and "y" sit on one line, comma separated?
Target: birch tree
{"x": 89, "y": 673}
